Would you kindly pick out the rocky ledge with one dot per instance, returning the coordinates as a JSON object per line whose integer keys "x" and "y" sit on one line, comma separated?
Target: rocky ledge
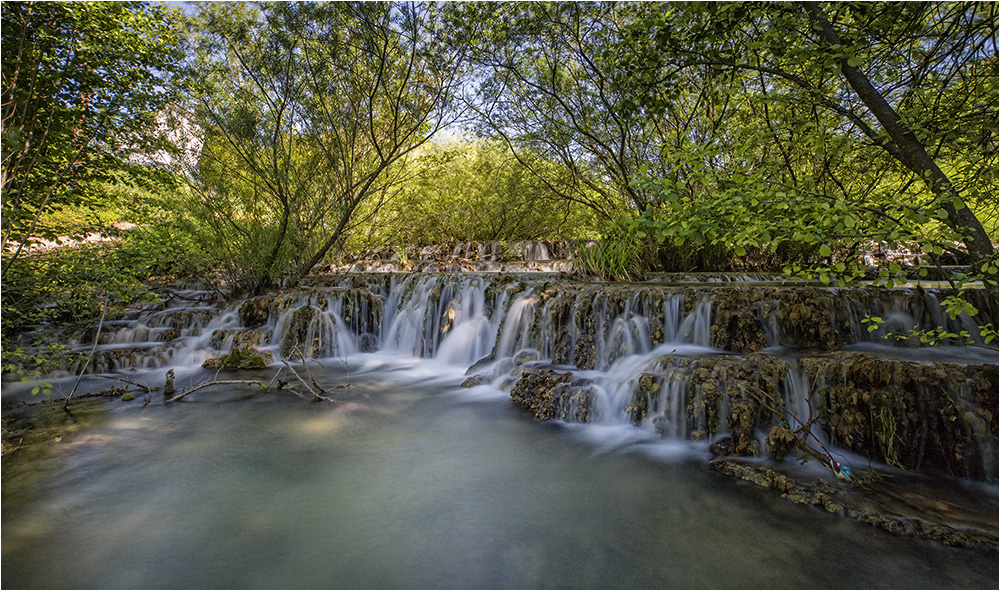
{"x": 895, "y": 508}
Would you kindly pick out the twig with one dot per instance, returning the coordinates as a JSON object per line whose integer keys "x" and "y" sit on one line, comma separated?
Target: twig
{"x": 296, "y": 374}
{"x": 269, "y": 384}
{"x": 316, "y": 395}
{"x": 348, "y": 366}
{"x": 217, "y": 383}
{"x": 148, "y": 389}
{"x": 306, "y": 366}
{"x": 97, "y": 339}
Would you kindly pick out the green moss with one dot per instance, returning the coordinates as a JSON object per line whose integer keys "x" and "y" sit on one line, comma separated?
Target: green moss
{"x": 296, "y": 330}
{"x": 647, "y": 391}
{"x": 239, "y": 359}
{"x": 552, "y": 395}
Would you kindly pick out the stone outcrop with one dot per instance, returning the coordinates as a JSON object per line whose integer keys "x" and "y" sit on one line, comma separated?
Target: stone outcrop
{"x": 240, "y": 359}
{"x": 295, "y": 333}
{"x": 931, "y": 417}
{"x": 548, "y": 394}
{"x": 920, "y": 416}
{"x": 870, "y": 505}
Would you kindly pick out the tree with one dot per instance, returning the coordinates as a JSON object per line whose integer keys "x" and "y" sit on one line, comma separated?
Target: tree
{"x": 473, "y": 190}
{"x": 309, "y": 108}
{"x": 893, "y": 95}
{"x": 81, "y": 84}
{"x": 549, "y": 86}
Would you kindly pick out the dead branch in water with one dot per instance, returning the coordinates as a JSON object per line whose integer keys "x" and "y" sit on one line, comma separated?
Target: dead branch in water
{"x": 146, "y": 388}
{"x": 262, "y": 385}
{"x": 316, "y": 395}
{"x": 97, "y": 340}
{"x": 306, "y": 366}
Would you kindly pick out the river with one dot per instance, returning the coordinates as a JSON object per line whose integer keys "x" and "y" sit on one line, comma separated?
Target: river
{"x": 409, "y": 481}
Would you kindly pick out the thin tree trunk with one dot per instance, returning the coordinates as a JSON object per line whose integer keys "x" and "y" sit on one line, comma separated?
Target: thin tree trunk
{"x": 911, "y": 152}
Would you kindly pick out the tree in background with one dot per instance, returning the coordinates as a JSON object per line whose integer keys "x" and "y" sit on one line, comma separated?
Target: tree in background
{"x": 81, "y": 84}
{"x": 548, "y": 86}
{"x": 787, "y": 133}
{"x": 308, "y": 110}
{"x": 462, "y": 190}
{"x": 858, "y": 124}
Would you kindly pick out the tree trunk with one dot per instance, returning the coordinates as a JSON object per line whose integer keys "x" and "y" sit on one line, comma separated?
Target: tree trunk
{"x": 911, "y": 153}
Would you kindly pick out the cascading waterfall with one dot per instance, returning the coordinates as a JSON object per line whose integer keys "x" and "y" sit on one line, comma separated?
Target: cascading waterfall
{"x": 646, "y": 355}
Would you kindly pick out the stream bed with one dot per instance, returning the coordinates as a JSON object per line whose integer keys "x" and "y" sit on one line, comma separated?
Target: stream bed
{"x": 409, "y": 481}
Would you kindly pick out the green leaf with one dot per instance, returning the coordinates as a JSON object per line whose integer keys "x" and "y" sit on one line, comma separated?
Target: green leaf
{"x": 824, "y": 250}
{"x": 854, "y": 61}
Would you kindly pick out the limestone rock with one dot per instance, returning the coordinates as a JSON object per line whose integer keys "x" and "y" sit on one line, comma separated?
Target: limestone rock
{"x": 552, "y": 395}
{"x": 240, "y": 359}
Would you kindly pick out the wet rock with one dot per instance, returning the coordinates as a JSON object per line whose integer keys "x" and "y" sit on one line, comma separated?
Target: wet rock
{"x": 368, "y": 343}
{"x": 921, "y": 416}
{"x": 242, "y": 339}
{"x": 477, "y": 380}
{"x": 585, "y": 352}
{"x": 181, "y": 319}
{"x": 255, "y": 311}
{"x": 526, "y": 356}
{"x": 552, "y": 395}
{"x": 742, "y": 420}
{"x": 647, "y": 392}
{"x": 240, "y": 359}
{"x": 165, "y": 335}
{"x": 296, "y": 331}
{"x": 867, "y": 504}
{"x": 722, "y": 447}
{"x": 479, "y": 365}
{"x": 737, "y": 326}
{"x": 780, "y": 441}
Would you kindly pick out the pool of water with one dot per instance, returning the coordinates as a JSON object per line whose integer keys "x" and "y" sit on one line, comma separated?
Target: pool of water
{"x": 411, "y": 482}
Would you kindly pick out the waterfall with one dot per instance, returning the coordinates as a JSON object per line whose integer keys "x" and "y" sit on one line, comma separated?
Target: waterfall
{"x": 674, "y": 360}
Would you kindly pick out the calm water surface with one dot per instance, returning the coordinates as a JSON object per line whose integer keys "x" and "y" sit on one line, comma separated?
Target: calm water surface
{"x": 411, "y": 482}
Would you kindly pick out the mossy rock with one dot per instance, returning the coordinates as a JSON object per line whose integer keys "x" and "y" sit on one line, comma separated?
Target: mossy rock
{"x": 585, "y": 352}
{"x": 296, "y": 330}
{"x": 240, "y": 359}
{"x": 780, "y": 441}
{"x": 920, "y": 416}
{"x": 742, "y": 423}
{"x": 739, "y": 319}
{"x": 552, "y": 395}
{"x": 254, "y": 312}
{"x": 647, "y": 391}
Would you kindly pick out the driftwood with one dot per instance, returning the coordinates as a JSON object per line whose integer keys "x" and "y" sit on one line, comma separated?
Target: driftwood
{"x": 97, "y": 340}
{"x": 217, "y": 383}
{"x": 144, "y": 387}
{"x": 316, "y": 396}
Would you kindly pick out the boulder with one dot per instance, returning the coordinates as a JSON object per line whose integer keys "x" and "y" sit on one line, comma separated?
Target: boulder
{"x": 240, "y": 359}
{"x": 552, "y": 395}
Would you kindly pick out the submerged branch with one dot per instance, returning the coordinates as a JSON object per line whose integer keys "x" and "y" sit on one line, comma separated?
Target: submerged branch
{"x": 316, "y": 395}
{"x": 262, "y": 385}
{"x": 97, "y": 340}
